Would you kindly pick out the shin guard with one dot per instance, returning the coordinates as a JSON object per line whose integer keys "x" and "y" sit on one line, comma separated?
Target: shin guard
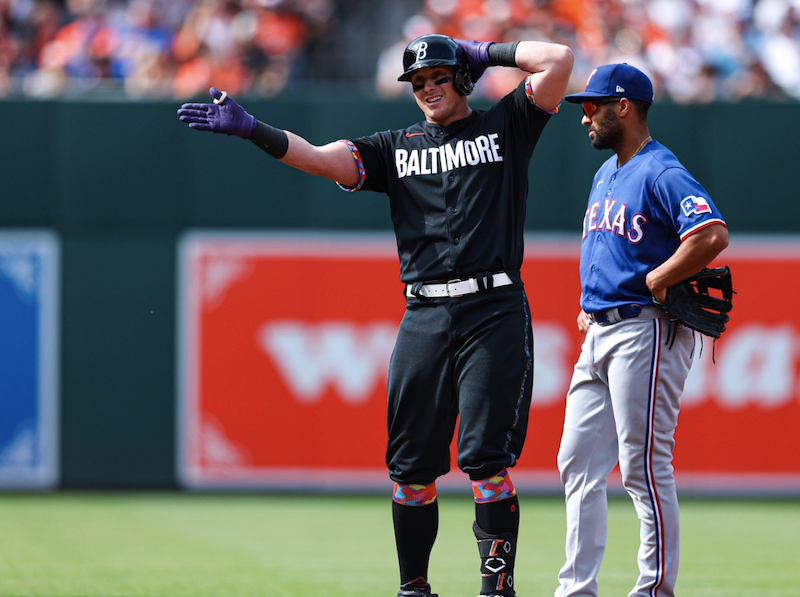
{"x": 497, "y": 562}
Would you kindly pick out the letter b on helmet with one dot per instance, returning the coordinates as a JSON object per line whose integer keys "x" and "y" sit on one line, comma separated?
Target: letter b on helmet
{"x": 437, "y": 50}
{"x": 422, "y": 50}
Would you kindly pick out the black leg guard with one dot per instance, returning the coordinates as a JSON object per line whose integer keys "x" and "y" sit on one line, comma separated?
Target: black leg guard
{"x": 497, "y": 562}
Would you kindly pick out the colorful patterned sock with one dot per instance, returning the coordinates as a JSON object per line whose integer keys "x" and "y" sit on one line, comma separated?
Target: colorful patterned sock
{"x": 414, "y": 495}
{"x": 496, "y": 488}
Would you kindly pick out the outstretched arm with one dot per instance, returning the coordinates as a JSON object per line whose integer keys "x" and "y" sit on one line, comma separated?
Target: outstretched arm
{"x": 334, "y": 160}
{"x": 226, "y": 116}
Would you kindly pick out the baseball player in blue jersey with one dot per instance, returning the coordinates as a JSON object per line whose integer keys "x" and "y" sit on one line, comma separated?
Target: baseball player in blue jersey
{"x": 457, "y": 184}
{"x": 648, "y": 225}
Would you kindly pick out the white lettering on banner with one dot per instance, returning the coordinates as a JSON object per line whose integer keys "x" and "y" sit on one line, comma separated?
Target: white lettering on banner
{"x": 352, "y": 357}
{"x": 755, "y": 363}
{"x": 219, "y": 274}
{"x": 757, "y": 366}
{"x": 551, "y": 363}
{"x": 217, "y": 448}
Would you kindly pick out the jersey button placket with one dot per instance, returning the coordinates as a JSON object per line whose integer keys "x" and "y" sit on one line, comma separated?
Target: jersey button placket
{"x": 453, "y": 215}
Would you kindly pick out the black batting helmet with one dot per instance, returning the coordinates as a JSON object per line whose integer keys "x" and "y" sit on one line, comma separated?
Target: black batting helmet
{"x": 437, "y": 50}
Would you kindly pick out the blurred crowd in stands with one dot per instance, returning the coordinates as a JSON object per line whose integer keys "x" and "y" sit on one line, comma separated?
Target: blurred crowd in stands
{"x": 154, "y": 48}
{"x": 696, "y": 51}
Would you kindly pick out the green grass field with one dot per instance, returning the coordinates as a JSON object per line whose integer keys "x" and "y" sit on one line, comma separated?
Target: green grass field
{"x": 253, "y": 545}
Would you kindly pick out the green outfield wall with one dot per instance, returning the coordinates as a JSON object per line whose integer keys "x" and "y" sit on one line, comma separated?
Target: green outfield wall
{"x": 120, "y": 182}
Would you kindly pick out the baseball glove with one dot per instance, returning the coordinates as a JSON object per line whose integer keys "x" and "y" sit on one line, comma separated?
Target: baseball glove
{"x": 691, "y": 303}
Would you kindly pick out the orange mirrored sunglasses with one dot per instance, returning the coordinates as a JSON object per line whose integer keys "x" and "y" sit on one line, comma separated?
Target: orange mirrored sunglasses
{"x": 590, "y": 107}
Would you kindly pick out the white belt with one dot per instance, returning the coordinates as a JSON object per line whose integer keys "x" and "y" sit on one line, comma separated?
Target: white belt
{"x": 455, "y": 288}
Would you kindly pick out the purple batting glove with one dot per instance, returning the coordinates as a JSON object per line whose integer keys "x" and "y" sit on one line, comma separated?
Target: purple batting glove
{"x": 477, "y": 53}
{"x": 223, "y": 116}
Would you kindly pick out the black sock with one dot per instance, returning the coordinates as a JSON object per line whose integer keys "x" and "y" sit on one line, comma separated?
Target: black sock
{"x": 415, "y": 529}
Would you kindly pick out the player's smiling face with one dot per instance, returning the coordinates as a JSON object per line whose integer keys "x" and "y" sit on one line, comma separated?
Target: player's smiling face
{"x": 437, "y": 96}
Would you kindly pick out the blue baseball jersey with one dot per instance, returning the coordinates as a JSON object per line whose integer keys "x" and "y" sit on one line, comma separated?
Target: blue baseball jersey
{"x": 637, "y": 216}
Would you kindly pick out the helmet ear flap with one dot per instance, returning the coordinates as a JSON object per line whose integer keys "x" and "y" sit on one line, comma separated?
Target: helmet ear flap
{"x": 463, "y": 80}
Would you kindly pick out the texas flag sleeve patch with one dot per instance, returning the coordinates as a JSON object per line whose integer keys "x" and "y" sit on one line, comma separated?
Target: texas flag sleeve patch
{"x": 695, "y": 205}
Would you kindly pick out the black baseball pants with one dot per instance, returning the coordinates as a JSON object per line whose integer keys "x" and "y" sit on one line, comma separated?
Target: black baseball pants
{"x": 469, "y": 357}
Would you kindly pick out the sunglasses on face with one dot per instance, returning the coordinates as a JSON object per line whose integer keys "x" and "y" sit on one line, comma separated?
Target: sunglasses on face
{"x": 590, "y": 107}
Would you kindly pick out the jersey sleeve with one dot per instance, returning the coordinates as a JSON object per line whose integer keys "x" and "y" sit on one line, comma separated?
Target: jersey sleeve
{"x": 525, "y": 114}
{"x": 532, "y": 97}
{"x": 368, "y": 152}
{"x": 359, "y": 163}
{"x": 686, "y": 202}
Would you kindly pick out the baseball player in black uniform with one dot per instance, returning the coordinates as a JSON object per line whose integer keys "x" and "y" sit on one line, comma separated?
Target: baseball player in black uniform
{"x": 457, "y": 184}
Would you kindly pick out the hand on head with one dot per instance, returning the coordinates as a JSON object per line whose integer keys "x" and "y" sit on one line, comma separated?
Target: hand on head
{"x": 477, "y": 55}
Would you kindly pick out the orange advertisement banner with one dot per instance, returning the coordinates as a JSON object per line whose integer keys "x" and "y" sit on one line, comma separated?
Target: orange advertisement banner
{"x": 285, "y": 341}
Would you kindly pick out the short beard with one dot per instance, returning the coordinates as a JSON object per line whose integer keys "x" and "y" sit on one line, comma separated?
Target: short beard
{"x": 612, "y": 136}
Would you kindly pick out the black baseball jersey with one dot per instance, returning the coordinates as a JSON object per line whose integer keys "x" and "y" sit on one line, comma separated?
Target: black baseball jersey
{"x": 458, "y": 193}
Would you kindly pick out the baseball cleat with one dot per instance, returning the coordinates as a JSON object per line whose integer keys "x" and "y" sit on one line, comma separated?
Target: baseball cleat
{"x": 426, "y": 592}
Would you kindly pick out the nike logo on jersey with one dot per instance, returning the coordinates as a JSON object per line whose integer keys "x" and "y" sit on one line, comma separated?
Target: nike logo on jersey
{"x": 614, "y": 219}
{"x": 432, "y": 160}
{"x": 413, "y": 135}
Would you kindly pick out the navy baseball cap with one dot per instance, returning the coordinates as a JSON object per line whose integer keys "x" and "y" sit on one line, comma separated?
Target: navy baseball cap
{"x": 615, "y": 80}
